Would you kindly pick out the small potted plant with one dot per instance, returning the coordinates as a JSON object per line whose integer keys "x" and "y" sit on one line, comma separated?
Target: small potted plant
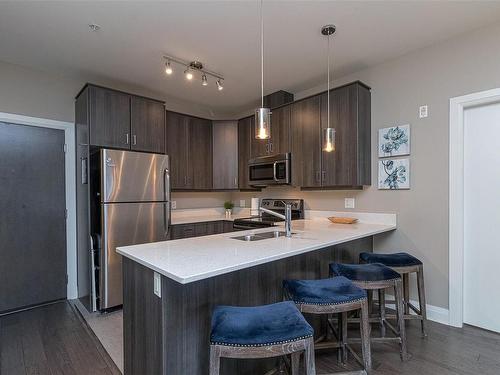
{"x": 229, "y": 208}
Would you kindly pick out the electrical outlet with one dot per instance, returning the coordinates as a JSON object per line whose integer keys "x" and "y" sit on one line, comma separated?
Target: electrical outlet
{"x": 242, "y": 203}
{"x": 173, "y": 205}
{"x": 157, "y": 284}
{"x": 423, "y": 111}
{"x": 349, "y": 203}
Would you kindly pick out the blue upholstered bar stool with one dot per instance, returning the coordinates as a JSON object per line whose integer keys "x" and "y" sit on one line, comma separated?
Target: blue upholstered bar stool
{"x": 332, "y": 296}
{"x": 404, "y": 264}
{"x": 372, "y": 277}
{"x": 261, "y": 332}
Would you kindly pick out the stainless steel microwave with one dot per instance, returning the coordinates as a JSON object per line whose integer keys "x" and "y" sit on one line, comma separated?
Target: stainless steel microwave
{"x": 270, "y": 170}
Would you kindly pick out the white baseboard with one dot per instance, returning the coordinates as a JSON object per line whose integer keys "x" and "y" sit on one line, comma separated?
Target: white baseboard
{"x": 434, "y": 313}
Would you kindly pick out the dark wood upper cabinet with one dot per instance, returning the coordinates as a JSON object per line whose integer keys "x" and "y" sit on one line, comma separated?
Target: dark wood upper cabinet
{"x": 147, "y": 124}
{"x": 280, "y": 130}
{"x": 258, "y": 147}
{"x": 280, "y": 135}
{"x": 245, "y": 129}
{"x": 199, "y": 154}
{"x": 225, "y": 154}
{"x": 189, "y": 146}
{"x": 176, "y": 130}
{"x": 350, "y": 164}
{"x": 306, "y": 142}
{"x": 109, "y": 118}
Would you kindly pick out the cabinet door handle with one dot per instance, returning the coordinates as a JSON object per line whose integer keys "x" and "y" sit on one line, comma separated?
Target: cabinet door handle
{"x": 270, "y": 147}
{"x": 127, "y": 138}
{"x": 134, "y": 139}
{"x": 185, "y": 180}
{"x": 236, "y": 182}
{"x": 323, "y": 176}
{"x": 318, "y": 177}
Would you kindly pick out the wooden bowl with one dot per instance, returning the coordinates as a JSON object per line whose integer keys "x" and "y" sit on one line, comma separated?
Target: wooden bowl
{"x": 342, "y": 220}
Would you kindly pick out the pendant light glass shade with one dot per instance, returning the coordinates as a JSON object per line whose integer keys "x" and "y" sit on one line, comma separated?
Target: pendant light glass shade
{"x": 262, "y": 114}
{"x": 262, "y": 123}
{"x": 328, "y": 139}
{"x": 328, "y": 132}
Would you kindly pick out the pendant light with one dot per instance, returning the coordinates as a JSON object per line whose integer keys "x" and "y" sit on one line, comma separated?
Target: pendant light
{"x": 262, "y": 114}
{"x": 328, "y": 132}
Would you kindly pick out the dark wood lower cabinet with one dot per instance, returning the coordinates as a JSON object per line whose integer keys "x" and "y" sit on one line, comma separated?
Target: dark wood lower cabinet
{"x": 178, "y": 231}
{"x": 171, "y": 335}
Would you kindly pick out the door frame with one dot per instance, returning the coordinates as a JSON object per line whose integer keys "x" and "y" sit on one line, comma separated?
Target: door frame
{"x": 456, "y": 197}
{"x": 70, "y": 187}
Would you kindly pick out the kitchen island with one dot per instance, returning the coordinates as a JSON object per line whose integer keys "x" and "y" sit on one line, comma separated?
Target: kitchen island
{"x": 167, "y": 325}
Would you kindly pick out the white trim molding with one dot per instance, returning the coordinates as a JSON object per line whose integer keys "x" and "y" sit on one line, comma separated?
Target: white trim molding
{"x": 456, "y": 195}
{"x": 435, "y": 313}
{"x": 70, "y": 188}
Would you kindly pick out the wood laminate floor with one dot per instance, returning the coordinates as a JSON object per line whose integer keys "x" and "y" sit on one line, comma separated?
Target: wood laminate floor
{"x": 50, "y": 340}
{"x": 54, "y": 340}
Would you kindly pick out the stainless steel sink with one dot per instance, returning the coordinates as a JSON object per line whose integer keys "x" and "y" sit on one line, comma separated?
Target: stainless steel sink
{"x": 261, "y": 236}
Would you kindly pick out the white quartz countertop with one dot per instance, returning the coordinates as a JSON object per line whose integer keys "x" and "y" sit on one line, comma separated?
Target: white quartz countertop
{"x": 190, "y": 216}
{"x": 192, "y": 259}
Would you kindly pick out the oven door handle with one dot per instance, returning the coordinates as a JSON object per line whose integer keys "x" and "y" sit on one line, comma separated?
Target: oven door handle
{"x": 239, "y": 226}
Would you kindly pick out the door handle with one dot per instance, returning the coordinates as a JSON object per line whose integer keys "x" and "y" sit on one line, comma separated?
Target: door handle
{"x": 323, "y": 176}
{"x": 134, "y": 140}
{"x": 236, "y": 181}
{"x": 127, "y": 138}
{"x": 318, "y": 177}
{"x": 166, "y": 207}
{"x": 271, "y": 147}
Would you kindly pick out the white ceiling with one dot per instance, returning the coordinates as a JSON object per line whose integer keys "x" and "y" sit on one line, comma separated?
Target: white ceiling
{"x": 224, "y": 35}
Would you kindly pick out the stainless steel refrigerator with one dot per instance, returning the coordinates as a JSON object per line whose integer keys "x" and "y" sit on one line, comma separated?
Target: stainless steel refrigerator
{"x": 133, "y": 208}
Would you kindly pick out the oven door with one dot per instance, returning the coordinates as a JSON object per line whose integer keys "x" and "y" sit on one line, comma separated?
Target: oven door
{"x": 269, "y": 170}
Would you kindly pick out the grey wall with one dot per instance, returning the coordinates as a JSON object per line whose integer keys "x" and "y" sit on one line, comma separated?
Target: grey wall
{"x": 431, "y": 76}
{"x": 35, "y": 93}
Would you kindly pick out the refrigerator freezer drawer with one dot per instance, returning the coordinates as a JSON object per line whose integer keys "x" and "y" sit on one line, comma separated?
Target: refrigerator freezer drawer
{"x": 126, "y": 224}
{"x": 128, "y": 176}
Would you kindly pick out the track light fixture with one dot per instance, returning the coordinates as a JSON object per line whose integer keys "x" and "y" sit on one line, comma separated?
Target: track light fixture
{"x": 192, "y": 69}
{"x": 168, "y": 68}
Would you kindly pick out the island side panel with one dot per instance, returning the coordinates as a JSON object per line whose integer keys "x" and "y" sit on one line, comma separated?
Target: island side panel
{"x": 143, "y": 322}
{"x": 188, "y": 308}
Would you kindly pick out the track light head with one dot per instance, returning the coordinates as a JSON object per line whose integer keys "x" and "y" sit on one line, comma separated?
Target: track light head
{"x": 168, "y": 68}
{"x": 220, "y": 86}
{"x": 204, "y": 81}
{"x": 189, "y": 74}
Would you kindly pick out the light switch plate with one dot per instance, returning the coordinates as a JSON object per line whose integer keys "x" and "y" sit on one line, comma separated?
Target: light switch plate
{"x": 423, "y": 111}
{"x": 173, "y": 205}
{"x": 242, "y": 203}
{"x": 157, "y": 284}
{"x": 349, "y": 203}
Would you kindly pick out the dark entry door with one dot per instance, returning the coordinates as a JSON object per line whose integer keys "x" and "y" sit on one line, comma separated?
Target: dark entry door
{"x": 32, "y": 216}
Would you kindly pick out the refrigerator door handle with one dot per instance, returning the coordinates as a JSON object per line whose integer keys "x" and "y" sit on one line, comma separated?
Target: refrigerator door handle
{"x": 166, "y": 206}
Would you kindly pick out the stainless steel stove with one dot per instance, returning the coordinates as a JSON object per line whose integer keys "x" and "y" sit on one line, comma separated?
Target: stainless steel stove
{"x": 267, "y": 220}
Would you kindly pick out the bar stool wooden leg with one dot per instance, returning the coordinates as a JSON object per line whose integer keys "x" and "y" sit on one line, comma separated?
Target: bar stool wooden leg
{"x": 398, "y": 289}
{"x": 421, "y": 299}
{"x": 365, "y": 337}
{"x": 214, "y": 360}
{"x": 406, "y": 292}
{"x": 344, "y": 337}
{"x": 381, "y": 301}
{"x": 309, "y": 357}
{"x": 295, "y": 363}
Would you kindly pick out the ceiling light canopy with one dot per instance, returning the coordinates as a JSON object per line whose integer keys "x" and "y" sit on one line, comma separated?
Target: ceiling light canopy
{"x": 193, "y": 69}
{"x": 262, "y": 114}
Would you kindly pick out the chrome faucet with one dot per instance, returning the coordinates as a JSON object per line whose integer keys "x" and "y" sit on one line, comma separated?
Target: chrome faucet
{"x": 287, "y": 217}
